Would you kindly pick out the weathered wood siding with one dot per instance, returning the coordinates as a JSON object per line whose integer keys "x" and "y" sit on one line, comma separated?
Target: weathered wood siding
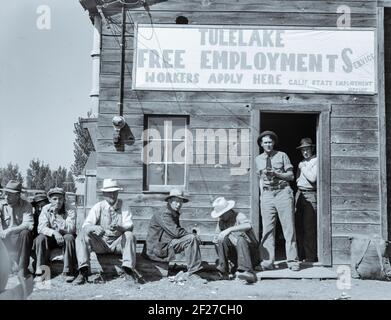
{"x": 387, "y": 84}
{"x": 354, "y": 119}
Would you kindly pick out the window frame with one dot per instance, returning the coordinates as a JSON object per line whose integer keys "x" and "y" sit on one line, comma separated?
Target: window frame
{"x": 164, "y": 188}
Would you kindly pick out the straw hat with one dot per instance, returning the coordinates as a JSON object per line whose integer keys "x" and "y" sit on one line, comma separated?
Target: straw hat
{"x": 221, "y": 206}
{"x": 110, "y": 185}
{"x": 177, "y": 194}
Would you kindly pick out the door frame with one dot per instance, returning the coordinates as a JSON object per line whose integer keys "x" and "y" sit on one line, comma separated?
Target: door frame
{"x": 323, "y": 141}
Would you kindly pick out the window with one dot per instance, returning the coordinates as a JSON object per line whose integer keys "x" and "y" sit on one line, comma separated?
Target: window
{"x": 165, "y": 151}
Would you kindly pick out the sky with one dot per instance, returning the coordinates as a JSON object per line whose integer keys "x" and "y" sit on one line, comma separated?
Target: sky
{"x": 45, "y": 80}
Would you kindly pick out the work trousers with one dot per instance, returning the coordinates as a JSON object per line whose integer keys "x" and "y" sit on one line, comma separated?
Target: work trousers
{"x": 19, "y": 246}
{"x": 278, "y": 202}
{"x": 44, "y": 244}
{"x": 243, "y": 255}
{"x": 306, "y": 214}
{"x": 190, "y": 245}
{"x": 89, "y": 241}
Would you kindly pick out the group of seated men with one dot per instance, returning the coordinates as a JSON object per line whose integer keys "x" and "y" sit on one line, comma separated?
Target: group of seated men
{"x": 109, "y": 229}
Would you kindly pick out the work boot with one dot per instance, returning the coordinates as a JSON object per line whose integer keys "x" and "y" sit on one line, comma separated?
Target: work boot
{"x": 248, "y": 276}
{"x": 82, "y": 277}
{"x": 68, "y": 277}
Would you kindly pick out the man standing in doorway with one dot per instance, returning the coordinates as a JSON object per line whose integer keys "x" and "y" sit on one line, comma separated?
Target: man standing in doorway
{"x": 275, "y": 171}
{"x": 306, "y": 200}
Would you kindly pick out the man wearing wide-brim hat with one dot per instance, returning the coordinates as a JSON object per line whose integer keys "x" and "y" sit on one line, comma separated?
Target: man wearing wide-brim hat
{"x": 235, "y": 241}
{"x": 306, "y": 200}
{"x": 57, "y": 229}
{"x": 276, "y": 171}
{"x": 166, "y": 236}
{"x": 107, "y": 229}
{"x": 16, "y": 215}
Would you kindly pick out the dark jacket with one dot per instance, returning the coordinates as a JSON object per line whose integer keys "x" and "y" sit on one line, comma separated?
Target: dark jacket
{"x": 163, "y": 227}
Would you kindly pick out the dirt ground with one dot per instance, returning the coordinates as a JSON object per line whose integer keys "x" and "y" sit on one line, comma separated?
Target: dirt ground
{"x": 164, "y": 289}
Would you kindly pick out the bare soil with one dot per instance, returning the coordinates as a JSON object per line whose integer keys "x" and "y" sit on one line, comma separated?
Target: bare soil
{"x": 285, "y": 289}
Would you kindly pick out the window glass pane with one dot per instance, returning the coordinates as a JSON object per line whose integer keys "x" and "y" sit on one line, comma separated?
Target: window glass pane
{"x": 175, "y": 174}
{"x": 178, "y": 151}
{"x": 155, "y": 174}
{"x": 158, "y": 124}
{"x": 155, "y": 151}
{"x": 176, "y": 123}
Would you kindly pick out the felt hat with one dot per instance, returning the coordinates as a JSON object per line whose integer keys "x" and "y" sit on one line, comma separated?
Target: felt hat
{"x": 305, "y": 142}
{"x": 221, "y": 206}
{"x": 267, "y": 133}
{"x": 177, "y": 194}
{"x": 13, "y": 186}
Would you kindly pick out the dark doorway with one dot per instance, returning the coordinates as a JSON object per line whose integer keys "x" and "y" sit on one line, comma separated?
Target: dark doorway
{"x": 290, "y": 128}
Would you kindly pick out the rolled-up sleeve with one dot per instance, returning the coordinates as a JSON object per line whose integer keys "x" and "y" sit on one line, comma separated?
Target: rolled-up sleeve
{"x": 93, "y": 216}
{"x": 44, "y": 223}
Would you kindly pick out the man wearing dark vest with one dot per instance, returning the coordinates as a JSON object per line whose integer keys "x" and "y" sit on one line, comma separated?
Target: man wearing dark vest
{"x": 235, "y": 242}
{"x": 275, "y": 171}
{"x": 16, "y": 225}
{"x": 306, "y": 200}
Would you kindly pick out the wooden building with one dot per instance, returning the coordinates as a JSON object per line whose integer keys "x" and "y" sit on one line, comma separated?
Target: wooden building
{"x": 351, "y": 128}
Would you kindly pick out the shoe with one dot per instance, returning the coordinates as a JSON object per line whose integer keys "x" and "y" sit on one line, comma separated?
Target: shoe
{"x": 295, "y": 266}
{"x": 264, "y": 266}
{"x": 68, "y": 277}
{"x": 39, "y": 277}
{"x": 129, "y": 275}
{"x": 81, "y": 279}
{"x": 247, "y": 276}
{"x": 223, "y": 275}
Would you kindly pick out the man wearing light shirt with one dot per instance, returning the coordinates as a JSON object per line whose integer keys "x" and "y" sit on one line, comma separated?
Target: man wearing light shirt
{"x": 306, "y": 200}
{"x": 107, "y": 229}
{"x": 57, "y": 228}
{"x": 16, "y": 225}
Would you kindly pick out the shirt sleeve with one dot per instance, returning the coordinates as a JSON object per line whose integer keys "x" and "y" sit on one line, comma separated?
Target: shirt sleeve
{"x": 241, "y": 218}
{"x": 169, "y": 225}
{"x": 70, "y": 222}
{"x": 44, "y": 223}
{"x": 287, "y": 163}
{"x": 28, "y": 219}
{"x": 93, "y": 216}
{"x": 127, "y": 222}
{"x": 310, "y": 171}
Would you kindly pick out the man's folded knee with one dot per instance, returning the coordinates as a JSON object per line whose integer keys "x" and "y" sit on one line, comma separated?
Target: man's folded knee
{"x": 69, "y": 238}
{"x": 26, "y": 234}
{"x": 129, "y": 235}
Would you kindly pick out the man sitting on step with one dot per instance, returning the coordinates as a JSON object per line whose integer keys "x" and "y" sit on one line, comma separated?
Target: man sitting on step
{"x": 235, "y": 241}
{"x": 166, "y": 237}
{"x": 107, "y": 229}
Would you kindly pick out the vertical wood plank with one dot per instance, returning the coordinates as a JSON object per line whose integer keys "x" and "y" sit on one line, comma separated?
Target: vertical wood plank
{"x": 382, "y": 123}
{"x": 324, "y": 183}
{"x": 255, "y": 210}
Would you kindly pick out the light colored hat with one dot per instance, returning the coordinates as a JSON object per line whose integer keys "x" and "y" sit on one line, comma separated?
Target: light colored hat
{"x": 305, "y": 142}
{"x": 13, "y": 186}
{"x": 221, "y": 206}
{"x": 178, "y": 194}
{"x": 110, "y": 185}
{"x": 56, "y": 191}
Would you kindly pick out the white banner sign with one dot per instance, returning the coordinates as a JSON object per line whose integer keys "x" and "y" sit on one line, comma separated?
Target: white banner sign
{"x": 214, "y": 58}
